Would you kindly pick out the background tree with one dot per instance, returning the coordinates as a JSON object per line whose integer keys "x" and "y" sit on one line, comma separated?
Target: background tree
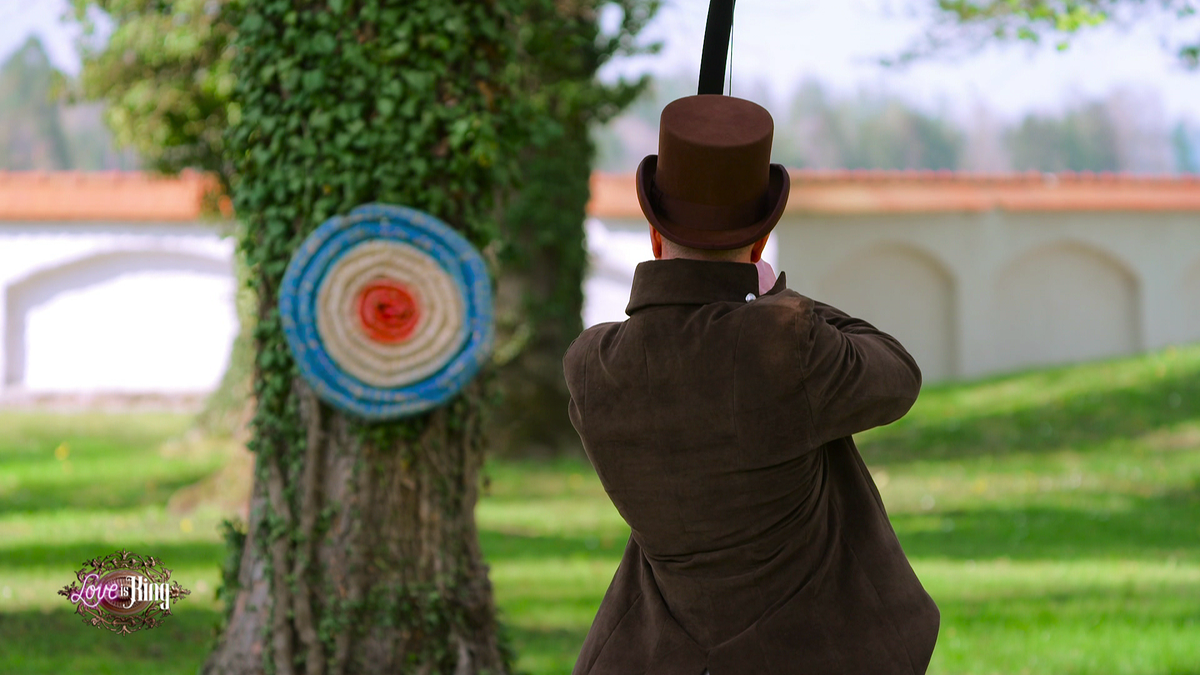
{"x": 815, "y": 129}
{"x": 1084, "y": 139}
{"x": 362, "y": 554}
{"x": 165, "y": 81}
{"x": 182, "y": 54}
{"x": 1139, "y": 134}
{"x": 867, "y": 131}
{"x": 975, "y": 23}
{"x": 32, "y": 135}
{"x": 164, "y": 74}
{"x": 1183, "y": 145}
{"x": 39, "y": 127}
{"x": 544, "y": 259}
{"x": 627, "y": 138}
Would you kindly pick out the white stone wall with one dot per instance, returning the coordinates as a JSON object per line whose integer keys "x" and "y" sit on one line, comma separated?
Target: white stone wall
{"x": 972, "y": 294}
{"x": 114, "y": 307}
{"x": 145, "y": 308}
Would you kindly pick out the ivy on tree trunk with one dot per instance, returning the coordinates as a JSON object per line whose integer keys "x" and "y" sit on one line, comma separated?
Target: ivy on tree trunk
{"x": 361, "y": 555}
{"x": 540, "y": 296}
{"x": 544, "y": 259}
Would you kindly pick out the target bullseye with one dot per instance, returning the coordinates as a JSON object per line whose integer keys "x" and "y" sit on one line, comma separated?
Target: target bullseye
{"x": 387, "y": 311}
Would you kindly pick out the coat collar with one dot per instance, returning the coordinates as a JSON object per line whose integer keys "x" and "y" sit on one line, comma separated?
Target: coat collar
{"x": 679, "y": 281}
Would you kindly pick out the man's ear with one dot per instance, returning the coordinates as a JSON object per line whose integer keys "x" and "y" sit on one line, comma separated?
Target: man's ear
{"x": 757, "y": 249}
{"x": 656, "y": 243}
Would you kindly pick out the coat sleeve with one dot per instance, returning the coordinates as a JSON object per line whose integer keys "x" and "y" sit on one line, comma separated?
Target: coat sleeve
{"x": 574, "y": 369}
{"x": 856, "y": 376}
{"x": 574, "y": 364}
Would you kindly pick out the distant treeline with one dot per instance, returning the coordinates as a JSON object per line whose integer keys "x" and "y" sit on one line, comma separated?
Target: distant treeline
{"x": 1125, "y": 131}
{"x": 40, "y": 129}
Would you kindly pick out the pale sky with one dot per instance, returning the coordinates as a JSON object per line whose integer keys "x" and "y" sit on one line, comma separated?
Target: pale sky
{"x": 21, "y": 18}
{"x": 782, "y": 42}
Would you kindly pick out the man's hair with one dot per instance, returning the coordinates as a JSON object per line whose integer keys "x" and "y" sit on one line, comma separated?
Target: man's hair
{"x": 673, "y": 250}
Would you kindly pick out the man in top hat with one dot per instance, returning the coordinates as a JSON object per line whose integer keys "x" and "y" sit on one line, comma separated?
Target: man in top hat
{"x": 719, "y": 416}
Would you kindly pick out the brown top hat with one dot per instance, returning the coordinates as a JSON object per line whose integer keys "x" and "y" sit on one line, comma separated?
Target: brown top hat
{"x": 712, "y": 184}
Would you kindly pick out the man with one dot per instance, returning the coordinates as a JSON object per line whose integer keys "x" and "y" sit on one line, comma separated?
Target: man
{"x": 719, "y": 416}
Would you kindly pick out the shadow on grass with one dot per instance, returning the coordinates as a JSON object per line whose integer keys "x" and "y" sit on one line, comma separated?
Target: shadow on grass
{"x": 81, "y": 493}
{"x": 57, "y": 642}
{"x": 39, "y": 431}
{"x": 1151, "y": 528}
{"x": 1095, "y": 417}
{"x": 507, "y": 546}
{"x": 545, "y": 650}
{"x": 1164, "y": 604}
{"x": 70, "y": 557}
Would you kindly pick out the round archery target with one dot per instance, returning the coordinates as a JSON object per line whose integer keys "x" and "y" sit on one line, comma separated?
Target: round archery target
{"x": 387, "y": 311}
{"x": 388, "y": 314}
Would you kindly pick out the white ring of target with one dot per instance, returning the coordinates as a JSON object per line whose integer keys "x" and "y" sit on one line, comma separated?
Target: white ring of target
{"x": 439, "y": 332}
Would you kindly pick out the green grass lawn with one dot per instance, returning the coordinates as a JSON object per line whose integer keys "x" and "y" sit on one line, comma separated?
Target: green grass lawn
{"x": 1053, "y": 515}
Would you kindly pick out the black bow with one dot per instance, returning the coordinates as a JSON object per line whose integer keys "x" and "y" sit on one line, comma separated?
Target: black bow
{"x": 716, "y": 44}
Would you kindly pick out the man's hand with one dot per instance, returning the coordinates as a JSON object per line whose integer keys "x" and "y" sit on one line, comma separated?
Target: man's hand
{"x": 766, "y": 276}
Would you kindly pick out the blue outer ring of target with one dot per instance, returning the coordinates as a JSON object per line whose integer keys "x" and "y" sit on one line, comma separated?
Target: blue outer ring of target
{"x": 317, "y": 255}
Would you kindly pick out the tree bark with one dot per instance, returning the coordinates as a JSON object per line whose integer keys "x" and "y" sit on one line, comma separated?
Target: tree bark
{"x": 375, "y": 565}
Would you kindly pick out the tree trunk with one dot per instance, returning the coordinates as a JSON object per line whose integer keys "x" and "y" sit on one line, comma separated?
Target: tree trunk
{"x": 540, "y": 294}
{"x": 376, "y": 567}
{"x": 540, "y": 297}
{"x": 361, "y": 553}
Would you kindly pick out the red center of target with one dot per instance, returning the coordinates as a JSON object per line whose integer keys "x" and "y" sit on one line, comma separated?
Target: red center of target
{"x": 387, "y": 311}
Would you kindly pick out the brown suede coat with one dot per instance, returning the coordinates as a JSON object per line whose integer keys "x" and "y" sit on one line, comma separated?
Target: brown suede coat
{"x": 720, "y": 429}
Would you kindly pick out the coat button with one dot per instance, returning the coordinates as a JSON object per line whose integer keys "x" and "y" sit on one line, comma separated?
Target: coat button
{"x": 751, "y": 296}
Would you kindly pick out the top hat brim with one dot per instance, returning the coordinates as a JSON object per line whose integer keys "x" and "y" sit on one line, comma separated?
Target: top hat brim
{"x": 711, "y": 238}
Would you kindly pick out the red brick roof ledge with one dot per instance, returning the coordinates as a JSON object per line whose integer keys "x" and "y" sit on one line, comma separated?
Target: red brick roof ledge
{"x": 859, "y": 192}
{"x": 137, "y": 196}
{"x": 113, "y": 196}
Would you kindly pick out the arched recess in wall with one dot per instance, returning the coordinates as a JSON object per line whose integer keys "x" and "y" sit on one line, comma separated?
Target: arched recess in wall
{"x": 904, "y": 292}
{"x": 133, "y": 321}
{"x": 1062, "y": 303}
{"x": 1190, "y": 293}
